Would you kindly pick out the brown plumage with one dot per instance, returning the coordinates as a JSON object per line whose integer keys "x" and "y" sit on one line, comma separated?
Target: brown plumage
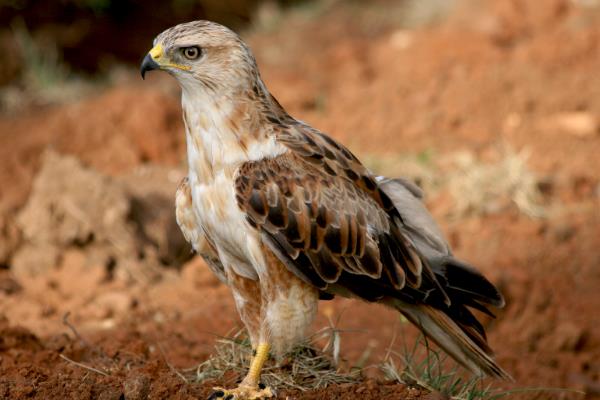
{"x": 285, "y": 215}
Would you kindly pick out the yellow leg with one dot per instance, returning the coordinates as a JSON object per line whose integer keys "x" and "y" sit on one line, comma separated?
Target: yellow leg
{"x": 248, "y": 389}
{"x": 262, "y": 354}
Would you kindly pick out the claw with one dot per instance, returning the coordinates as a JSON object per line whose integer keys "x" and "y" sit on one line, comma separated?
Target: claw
{"x": 242, "y": 393}
{"x": 217, "y": 394}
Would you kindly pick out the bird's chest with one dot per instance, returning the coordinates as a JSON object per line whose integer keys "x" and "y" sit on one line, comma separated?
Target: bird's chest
{"x": 219, "y": 216}
{"x": 215, "y": 152}
{"x": 212, "y": 189}
{"x": 213, "y": 157}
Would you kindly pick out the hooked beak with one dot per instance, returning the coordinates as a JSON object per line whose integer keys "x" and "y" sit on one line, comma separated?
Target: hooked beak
{"x": 149, "y": 62}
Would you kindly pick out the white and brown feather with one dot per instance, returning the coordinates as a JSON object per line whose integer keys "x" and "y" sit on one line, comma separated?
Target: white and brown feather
{"x": 193, "y": 232}
{"x": 290, "y": 214}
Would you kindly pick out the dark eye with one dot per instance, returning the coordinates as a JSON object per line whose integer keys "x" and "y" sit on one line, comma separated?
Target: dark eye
{"x": 191, "y": 53}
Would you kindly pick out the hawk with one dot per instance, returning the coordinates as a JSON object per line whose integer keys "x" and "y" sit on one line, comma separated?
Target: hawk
{"x": 285, "y": 215}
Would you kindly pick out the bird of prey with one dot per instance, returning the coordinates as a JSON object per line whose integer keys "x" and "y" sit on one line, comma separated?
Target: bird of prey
{"x": 285, "y": 215}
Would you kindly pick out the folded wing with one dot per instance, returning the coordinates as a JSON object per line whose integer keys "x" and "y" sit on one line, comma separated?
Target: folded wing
{"x": 333, "y": 224}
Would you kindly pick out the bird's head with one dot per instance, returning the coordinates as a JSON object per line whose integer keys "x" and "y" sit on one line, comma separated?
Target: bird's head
{"x": 203, "y": 55}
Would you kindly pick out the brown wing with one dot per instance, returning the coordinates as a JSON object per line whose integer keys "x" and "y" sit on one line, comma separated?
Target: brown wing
{"x": 325, "y": 217}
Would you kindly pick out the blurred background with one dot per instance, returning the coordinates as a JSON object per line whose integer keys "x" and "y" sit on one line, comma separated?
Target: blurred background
{"x": 493, "y": 108}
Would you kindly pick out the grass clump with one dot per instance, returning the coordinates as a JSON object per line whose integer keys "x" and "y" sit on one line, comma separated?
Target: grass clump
{"x": 477, "y": 187}
{"x": 427, "y": 367}
{"x": 44, "y": 67}
{"x": 485, "y": 188}
{"x": 44, "y": 78}
{"x": 306, "y": 368}
{"x": 309, "y": 367}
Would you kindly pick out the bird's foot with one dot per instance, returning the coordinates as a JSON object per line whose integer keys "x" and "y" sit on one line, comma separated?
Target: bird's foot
{"x": 242, "y": 392}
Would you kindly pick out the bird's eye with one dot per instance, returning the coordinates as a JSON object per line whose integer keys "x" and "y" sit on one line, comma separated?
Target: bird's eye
{"x": 191, "y": 53}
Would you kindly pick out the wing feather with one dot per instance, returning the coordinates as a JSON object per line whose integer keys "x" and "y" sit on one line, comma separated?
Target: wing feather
{"x": 326, "y": 217}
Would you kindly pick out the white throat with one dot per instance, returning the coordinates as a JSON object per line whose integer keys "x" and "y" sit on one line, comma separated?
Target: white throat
{"x": 217, "y": 136}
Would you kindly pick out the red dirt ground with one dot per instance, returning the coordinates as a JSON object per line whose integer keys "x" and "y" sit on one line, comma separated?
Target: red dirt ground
{"x": 507, "y": 72}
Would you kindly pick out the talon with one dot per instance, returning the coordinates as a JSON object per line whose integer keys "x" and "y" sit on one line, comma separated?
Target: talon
{"x": 242, "y": 393}
{"x": 215, "y": 395}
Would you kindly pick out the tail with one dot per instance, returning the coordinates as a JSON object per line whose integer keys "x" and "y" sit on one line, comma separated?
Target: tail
{"x": 465, "y": 344}
{"x": 452, "y": 326}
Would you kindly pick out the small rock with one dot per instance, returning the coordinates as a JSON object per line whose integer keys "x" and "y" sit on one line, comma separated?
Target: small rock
{"x": 512, "y": 122}
{"x": 563, "y": 232}
{"x": 136, "y": 387}
{"x": 114, "y": 303}
{"x": 110, "y": 393}
{"x": 401, "y": 39}
{"x": 8, "y": 285}
{"x": 577, "y": 123}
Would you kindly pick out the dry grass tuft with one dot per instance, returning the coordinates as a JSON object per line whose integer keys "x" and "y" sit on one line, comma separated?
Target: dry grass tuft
{"x": 427, "y": 367}
{"x": 476, "y": 186}
{"x": 430, "y": 368}
{"x": 45, "y": 78}
{"x": 479, "y": 187}
{"x": 305, "y": 368}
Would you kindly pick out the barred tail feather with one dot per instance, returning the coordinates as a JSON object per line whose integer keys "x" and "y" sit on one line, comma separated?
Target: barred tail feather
{"x": 454, "y": 340}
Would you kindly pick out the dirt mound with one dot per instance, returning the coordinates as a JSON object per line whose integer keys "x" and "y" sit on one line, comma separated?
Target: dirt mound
{"x": 114, "y": 133}
{"x": 70, "y": 206}
{"x": 87, "y": 237}
{"x": 119, "y": 223}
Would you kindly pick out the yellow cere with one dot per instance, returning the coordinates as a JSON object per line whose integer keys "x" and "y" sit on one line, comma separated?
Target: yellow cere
{"x": 156, "y": 52}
